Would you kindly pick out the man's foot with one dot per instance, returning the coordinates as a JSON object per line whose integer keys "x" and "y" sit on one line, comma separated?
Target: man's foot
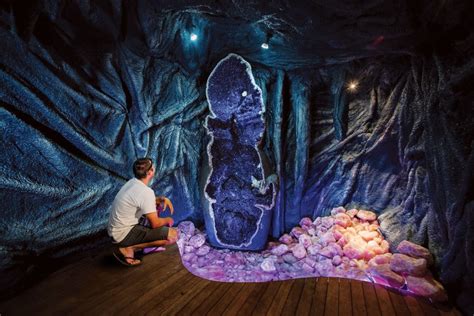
{"x": 125, "y": 260}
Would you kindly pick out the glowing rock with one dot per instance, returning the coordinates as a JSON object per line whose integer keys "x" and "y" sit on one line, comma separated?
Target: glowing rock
{"x": 427, "y": 287}
{"x": 280, "y": 250}
{"x": 380, "y": 259}
{"x": 368, "y": 235}
{"x": 305, "y": 240}
{"x": 268, "y": 265}
{"x": 366, "y": 215}
{"x": 299, "y": 251}
{"x": 337, "y": 260}
{"x": 187, "y": 228}
{"x": 306, "y": 222}
{"x": 197, "y": 241}
{"x": 297, "y": 232}
{"x": 338, "y": 210}
{"x": 352, "y": 212}
{"x": 407, "y": 265}
{"x": 314, "y": 249}
{"x": 413, "y": 250}
{"x": 382, "y": 274}
{"x": 240, "y": 196}
{"x": 203, "y": 250}
{"x": 286, "y": 239}
{"x": 355, "y": 249}
{"x": 342, "y": 219}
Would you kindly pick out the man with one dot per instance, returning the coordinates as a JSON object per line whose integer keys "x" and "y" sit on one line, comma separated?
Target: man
{"x": 133, "y": 200}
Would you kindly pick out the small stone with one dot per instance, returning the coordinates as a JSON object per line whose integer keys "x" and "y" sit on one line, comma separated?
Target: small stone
{"x": 188, "y": 249}
{"x": 338, "y": 210}
{"x": 189, "y": 257}
{"x": 427, "y": 287}
{"x": 305, "y": 240}
{"x": 314, "y": 249}
{"x": 197, "y": 241}
{"x": 327, "y": 238}
{"x": 366, "y": 215}
{"x": 342, "y": 219}
{"x": 401, "y": 263}
{"x": 311, "y": 231}
{"x": 297, "y": 231}
{"x": 280, "y": 250}
{"x": 306, "y": 222}
{"x": 327, "y": 222}
{"x": 289, "y": 258}
{"x": 268, "y": 265}
{"x": 299, "y": 251}
{"x": 286, "y": 239}
{"x": 413, "y": 250}
{"x": 307, "y": 268}
{"x": 355, "y": 249}
{"x": 337, "y": 234}
{"x": 380, "y": 259}
{"x": 382, "y": 274}
{"x": 368, "y": 235}
{"x": 203, "y": 250}
{"x": 187, "y": 228}
{"x": 385, "y": 246}
{"x": 317, "y": 221}
{"x": 352, "y": 212}
{"x": 337, "y": 260}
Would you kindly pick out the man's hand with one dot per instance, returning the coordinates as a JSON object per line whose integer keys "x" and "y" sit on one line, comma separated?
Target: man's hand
{"x": 170, "y": 221}
{"x": 156, "y": 221}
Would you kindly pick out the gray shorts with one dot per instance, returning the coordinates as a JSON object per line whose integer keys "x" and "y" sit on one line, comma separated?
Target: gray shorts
{"x": 141, "y": 234}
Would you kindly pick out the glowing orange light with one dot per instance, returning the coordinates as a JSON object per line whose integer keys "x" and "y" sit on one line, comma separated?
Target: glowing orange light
{"x": 352, "y": 86}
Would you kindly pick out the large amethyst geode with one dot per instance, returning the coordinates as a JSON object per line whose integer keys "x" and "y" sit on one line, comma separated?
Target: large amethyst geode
{"x": 240, "y": 198}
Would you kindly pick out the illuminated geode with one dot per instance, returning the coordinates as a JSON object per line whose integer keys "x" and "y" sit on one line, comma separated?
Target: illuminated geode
{"x": 240, "y": 199}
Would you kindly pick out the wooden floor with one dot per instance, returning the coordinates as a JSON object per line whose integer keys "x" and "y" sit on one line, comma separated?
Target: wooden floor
{"x": 162, "y": 286}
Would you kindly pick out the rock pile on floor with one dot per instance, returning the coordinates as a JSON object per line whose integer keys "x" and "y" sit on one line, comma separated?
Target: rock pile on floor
{"x": 347, "y": 244}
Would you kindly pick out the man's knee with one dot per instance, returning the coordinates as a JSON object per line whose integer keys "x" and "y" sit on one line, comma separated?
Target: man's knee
{"x": 172, "y": 235}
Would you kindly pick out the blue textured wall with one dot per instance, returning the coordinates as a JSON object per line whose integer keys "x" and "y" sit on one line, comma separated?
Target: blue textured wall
{"x": 87, "y": 87}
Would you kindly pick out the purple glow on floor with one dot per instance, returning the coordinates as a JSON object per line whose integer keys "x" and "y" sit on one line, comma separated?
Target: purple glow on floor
{"x": 346, "y": 244}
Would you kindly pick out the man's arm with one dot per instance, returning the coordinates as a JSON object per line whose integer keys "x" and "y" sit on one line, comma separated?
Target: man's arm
{"x": 156, "y": 221}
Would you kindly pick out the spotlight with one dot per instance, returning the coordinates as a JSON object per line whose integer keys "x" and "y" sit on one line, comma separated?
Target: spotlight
{"x": 194, "y": 37}
{"x": 264, "y": 45}
{"x": 352, "y": 86}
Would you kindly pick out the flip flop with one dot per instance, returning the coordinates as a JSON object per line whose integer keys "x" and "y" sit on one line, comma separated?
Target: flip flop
{"x": 123, "y": 260}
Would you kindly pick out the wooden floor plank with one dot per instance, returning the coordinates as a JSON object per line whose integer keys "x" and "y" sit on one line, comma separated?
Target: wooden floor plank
{"x": 201, "y": 299}
{"x": 254, "y": 298}
{"x": 212, "y": 300}
{"x": 277, "y": 305}
{"x": 358, "y": 300}
{"x": 345, "y": 297}
{"x": 234, "y": 306}
{"x": 385, "y": 304}
{"x": 413, "y": 305}
{"x": 267, "y": 298}
{"x": 427, "y": 308}
{"x": 227, "y": 299}
{"x": 371, "y": 301}
{"x": 293, "y": 298}
{"x": 319, "y": 299}
{"x": 306, "y": 298}
{"x": 332, "y": 298}
{"x": 398, "y": 302}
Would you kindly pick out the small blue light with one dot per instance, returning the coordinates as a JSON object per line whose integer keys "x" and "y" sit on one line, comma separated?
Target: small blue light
{"x": 264, "y": 45}
{"x": 194, "y": 37}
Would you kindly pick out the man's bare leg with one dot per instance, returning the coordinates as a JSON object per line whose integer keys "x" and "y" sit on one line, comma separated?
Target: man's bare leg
{"x": 130, "y": 251}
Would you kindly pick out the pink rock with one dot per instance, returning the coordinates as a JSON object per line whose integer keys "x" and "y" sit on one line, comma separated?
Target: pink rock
{"x": 327, "y": 238}
{"x": 380, "y": 259}
{"x": 289, "y": 258}
{"x": 378, "y": 240}
{"x": 382, "y": 274}
{"x": 203, "y": 250}
{"x": 189, "y": 257}
{"x": 286, "y": 239}
{"x": 307, "y": 268}
{"x": 352, "y": 212}
{"x": 309, "y": 262}
{"x": 280, "y": 250}
{"x": 268, "y": 265}
{"x": 306, "y": 222}
{"x": 338, "y": 210}
{"x": 368, "y": 254}
{"x": 311, "y": 231}
{"x": 373, "y": 228}
{"x": 337, "y": 234}
{"x": 385, "y": 246}
{"x": 337, "y": 260}
{"x": 355, "y": 248}
{"x": 314, "y": 249}
{"x": 413, "y": 250}
{"x": 327, "y": 222}
{"x": 366, "y": 215}
{"x": 297, "y": 231}
{"x": 368, "y": 235}
{"x": 305, "y": 240}
{"x": 404, "y": 264}
{"x": 197, "y": 241}
{"x": 374, "y": 247}
{"x": 427, "y": 287}
{"x": 299, "y": 251}
{"x": 188, "y": 249}
{"x": 342, "y": 219}
{"x": 317, "y": 221}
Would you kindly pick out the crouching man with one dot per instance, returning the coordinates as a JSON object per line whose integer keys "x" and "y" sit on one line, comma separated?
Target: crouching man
{"x": 133, "y": 200}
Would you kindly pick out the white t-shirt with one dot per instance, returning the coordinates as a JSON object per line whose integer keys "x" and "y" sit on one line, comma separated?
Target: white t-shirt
{"x": 133, "y": 200}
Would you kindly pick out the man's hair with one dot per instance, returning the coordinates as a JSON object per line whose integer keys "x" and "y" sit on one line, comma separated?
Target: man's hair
{"x": 141, "y": 166}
